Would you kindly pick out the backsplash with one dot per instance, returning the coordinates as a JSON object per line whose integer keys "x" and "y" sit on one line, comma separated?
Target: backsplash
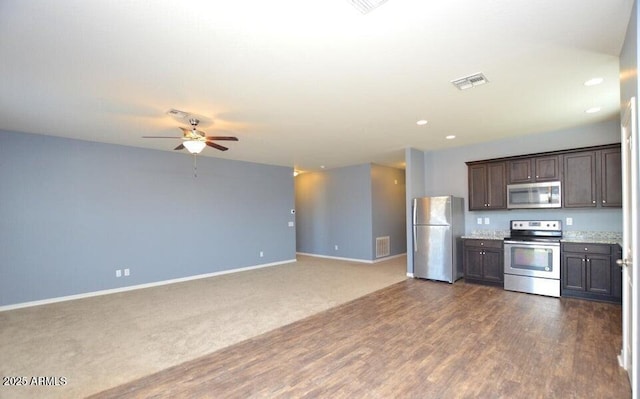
{"x": 606, "y": 220}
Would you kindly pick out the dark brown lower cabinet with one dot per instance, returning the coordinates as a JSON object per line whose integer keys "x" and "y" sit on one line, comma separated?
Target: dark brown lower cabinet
{"x": 590, "y": 271}
{"x": 483, "y": 261}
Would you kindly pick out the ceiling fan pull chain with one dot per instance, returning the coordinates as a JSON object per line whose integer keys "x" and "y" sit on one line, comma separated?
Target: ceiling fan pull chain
{"x": 195, "y": 165}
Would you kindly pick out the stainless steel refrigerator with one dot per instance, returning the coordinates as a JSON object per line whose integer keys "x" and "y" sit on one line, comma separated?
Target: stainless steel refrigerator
{"x": 438, "y": 227}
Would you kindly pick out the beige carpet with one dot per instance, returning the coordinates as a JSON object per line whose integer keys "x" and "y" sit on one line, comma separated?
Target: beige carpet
{"x": 101, "y": 342}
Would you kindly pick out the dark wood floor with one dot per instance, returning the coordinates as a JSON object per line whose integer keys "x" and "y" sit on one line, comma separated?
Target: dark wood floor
{"x": 416, "y": 339}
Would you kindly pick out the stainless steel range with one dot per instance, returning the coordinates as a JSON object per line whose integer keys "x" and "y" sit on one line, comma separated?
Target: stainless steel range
{"x": 532, "y": 257}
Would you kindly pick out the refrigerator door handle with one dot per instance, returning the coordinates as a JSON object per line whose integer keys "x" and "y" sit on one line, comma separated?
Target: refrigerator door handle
{"x": 415, "y": 206}
{"x": 415, "y": 232}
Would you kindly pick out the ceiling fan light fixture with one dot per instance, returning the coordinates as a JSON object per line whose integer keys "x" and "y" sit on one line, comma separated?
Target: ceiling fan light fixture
{"x": 366, "y": 6}
{"x": 194, "y": 146}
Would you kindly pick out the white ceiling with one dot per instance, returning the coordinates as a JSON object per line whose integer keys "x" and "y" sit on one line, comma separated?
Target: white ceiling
{"x": 305, "y": 84}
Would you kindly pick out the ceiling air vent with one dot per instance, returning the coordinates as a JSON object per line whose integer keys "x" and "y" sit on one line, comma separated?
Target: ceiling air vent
{"x": 366, "y": 6}
{"x": 470, "y": 81}
{"x": 177, "y": 114}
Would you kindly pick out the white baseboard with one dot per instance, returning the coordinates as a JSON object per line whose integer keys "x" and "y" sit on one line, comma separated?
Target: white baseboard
{"x": 389, "y": 257}
{"x": 137, "y": 287}
{"x": 351, "y": 259}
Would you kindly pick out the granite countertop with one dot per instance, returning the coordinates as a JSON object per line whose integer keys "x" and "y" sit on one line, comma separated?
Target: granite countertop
{"x": 487, "y": 234}
{"x": 594, "y": 237}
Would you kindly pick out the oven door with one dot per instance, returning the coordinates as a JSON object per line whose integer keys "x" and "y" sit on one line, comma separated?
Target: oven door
{"x": 535, "y": 259}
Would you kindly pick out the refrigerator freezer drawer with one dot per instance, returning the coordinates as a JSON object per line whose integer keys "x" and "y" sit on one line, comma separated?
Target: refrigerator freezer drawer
{"x": 432, "y": 258}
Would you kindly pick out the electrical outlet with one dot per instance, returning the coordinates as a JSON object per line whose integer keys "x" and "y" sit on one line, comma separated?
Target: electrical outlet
{"x": 118, "y": 273}
{"x": 261, "y": 254}
{"x": 486, "y": 220}
{"x": 127, "y": 272}
{"x": 479, "y": 221}
{"x": 336, "y": 247}
{"x": 290, "y": 224}
{"x": 569, "y": 221}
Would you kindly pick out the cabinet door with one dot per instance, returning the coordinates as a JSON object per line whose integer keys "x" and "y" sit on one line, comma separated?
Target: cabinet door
{"x": 616, "y": 273}
{"x": 477, "y": 187}
{"x": 599, "y": 274}
{"x": 473, "y": 262}
{"x": 579, "y": 180}
{"x": 574, "y": 272}
{"x": 493, "y": 265}
{"x": 496, "y": 185}
{"x": 611, "y": 178}
{"x": 520, "y": 171}
{"x": 547, "y": 168}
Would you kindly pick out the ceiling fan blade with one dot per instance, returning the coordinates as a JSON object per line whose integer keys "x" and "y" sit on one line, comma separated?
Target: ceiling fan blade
{"x": 218, "y": 146}
{"x": 229, "y": 138}
{"x": 161, "y": 137}
{"x": 180, "y": 147}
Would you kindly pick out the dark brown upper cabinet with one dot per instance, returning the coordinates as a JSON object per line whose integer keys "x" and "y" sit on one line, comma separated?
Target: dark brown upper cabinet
{"x": 593, "y": 179}
{"x": 537, "y": 169}
{"x": 611, "y": 178}
{"x": 487, "y": 186}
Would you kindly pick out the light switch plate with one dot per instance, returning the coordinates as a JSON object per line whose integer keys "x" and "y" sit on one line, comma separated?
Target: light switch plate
{"x": 479, "y": 221}
{"x": 569, "y": 221}
{"x": 486, "y": 220}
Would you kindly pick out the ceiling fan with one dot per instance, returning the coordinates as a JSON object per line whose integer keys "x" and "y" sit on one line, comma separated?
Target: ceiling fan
{"x": 195, "y": 140}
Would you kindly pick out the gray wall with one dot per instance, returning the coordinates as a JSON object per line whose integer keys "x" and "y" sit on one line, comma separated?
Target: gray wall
{"x": 349, "y": 207}
{"x": 415, "y": 182}
{"x": 388, "y": 203}
{"x": 72, "y": 212}
{"x": 333, "y": 207}
{"x": 445, "y": 172}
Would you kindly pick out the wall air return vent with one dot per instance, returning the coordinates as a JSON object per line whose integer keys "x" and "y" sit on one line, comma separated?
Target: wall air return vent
{"x": 366, "y": 6}
{"x": 383, "y": 246}
{"x": 470, "y": 81}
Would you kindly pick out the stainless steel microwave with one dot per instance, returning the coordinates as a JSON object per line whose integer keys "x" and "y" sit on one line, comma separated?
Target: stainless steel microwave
{"x": 534, "y": 195}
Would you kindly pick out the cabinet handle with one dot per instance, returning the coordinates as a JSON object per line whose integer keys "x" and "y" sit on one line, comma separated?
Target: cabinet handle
{"x": 529, "y": 177}
{"x": 537, "y": 176}
{"x": 481, "y": 243}
{"x": 604, "y": 201}
{"x": 588, "y": 260}
{"x": 586, "y": 249}
{"x": 594, "y": 201}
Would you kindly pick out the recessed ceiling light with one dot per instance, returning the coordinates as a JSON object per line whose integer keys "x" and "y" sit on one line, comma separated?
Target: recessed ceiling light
{"x": 422, "y": 122}
{"x": 321, "y": 166}
{"x": 593, "y": 81}
{"x": 450, "y": 137}
{"x": 593, "y": 110}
